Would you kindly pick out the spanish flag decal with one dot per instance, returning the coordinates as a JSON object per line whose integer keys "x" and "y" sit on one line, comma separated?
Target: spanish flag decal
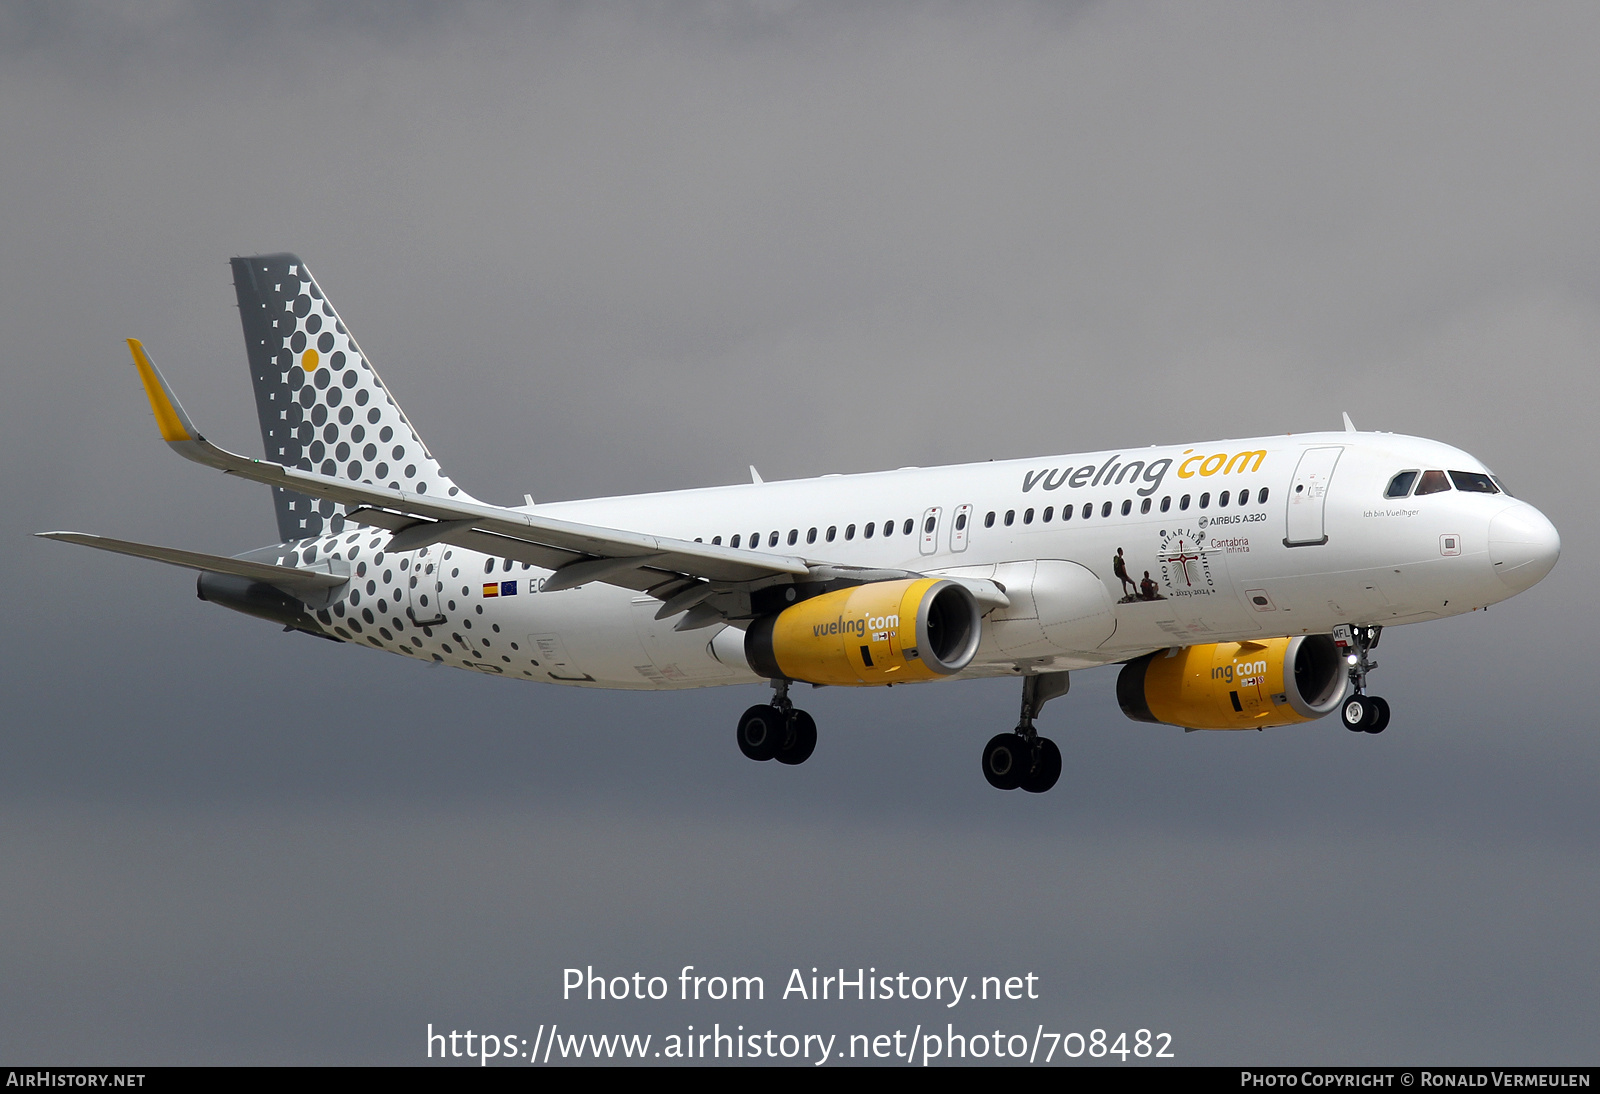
{"x": 491, "y": 588}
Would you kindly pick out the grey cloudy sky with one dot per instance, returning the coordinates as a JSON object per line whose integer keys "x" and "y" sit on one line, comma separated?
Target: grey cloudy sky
{"x": 597, "y": 249}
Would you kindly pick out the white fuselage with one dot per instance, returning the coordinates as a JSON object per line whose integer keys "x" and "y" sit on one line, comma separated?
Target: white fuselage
{"x": 1315, "y": 543}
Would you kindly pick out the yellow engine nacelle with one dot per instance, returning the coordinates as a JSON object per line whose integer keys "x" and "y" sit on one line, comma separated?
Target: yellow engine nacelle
{"x": 885, "y": 632}
{"x": 1235, "y": 685}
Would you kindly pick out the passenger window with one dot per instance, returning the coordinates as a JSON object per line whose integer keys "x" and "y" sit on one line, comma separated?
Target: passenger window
{"x": 833, "y": 530}
{"x": 716, "y": 541}
{"x": 794, "y": 536}
{"x": 1049, "y": 512}
{"x": 910, "y": 524}
{"x": 866, "y": 533}
{"x": 811, "y": 536}
{"x": 755, "y": 539}
{"x": 961, "y": 522}
{"x": 927, "y": 526}
{"x": 1088, "y": 510}
{"x": 1066, "y": 512}
{"x": 1222, "y": 500}
{"x": 734, "y": 542}
{"x": 1166, "y": 503}
{"x": 1400, "y": 485}
{"x": 1105, "y": 510}
{"x": 988, "y": 521}
{"x": 1144, "y": 506}
{"x": 1127, "y": 506}
{"x": 1472, "y": 482}
{"x": 1011, "y": 517}
{"x": 849, "y": 531}
{"x": 888, "y": 528}
{"x": 1205, "y": 501}
{"x": 1183, "y": 502}
{"x": 1027, "y": 516}
{"x": 1433, "y": 482}
{"x": 772, "y": 540}
{"x": 1261, "y": 498}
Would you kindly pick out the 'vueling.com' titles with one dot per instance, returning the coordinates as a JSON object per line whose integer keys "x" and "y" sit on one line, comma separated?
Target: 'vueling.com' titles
{"x": 1112, "y": 473}
{"x": 857, "y": 627}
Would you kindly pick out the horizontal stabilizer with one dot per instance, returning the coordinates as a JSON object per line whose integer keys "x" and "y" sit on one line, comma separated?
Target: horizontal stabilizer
{"x": 288, "y": 578}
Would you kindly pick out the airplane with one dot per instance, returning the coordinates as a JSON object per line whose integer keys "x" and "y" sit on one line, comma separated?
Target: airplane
{"x": 1240, "y": 584}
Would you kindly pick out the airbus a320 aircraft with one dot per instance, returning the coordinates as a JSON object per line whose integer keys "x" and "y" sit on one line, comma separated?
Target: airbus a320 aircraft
{"x": 1241, "y": 584}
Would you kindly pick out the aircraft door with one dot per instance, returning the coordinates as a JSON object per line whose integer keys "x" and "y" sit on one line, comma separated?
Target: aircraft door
{"x": 930, "y": 531}
{"x": 960, "y": 527}
{"x": 1308, "y": 494}
{"x": 424, "y": 584}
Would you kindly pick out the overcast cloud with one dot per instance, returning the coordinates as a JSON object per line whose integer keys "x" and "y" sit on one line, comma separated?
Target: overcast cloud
{"x": 599, "y": 249}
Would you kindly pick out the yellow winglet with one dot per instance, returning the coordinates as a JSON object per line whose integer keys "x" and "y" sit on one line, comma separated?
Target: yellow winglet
{"x": 173, "y": 422}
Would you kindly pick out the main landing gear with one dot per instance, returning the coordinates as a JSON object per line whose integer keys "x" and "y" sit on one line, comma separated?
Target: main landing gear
{"x": 1022, "y": 759}
{"x": 778, "y": 730}
{"x": 1362, "y": 713}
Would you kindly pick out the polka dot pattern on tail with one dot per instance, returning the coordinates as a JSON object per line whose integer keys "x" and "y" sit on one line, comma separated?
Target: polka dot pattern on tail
{"x": 308, "y": 369}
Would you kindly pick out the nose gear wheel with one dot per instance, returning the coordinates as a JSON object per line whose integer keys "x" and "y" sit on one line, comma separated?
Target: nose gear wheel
{"x": 1361, "y": 713}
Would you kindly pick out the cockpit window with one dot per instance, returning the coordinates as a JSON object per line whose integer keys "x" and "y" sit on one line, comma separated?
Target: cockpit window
{"x": 1432, "y": 483}
{"x": 1473, "y": 482}
{"x": 1400, "y": 485}
{"x": 1501, "y": 483}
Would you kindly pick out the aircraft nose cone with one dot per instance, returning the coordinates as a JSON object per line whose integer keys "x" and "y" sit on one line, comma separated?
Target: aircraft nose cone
{"x": 1523, "y": 545}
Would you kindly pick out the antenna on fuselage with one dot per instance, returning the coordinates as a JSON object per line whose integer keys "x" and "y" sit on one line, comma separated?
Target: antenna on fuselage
{"x": 755, "y": 476}
{"x": 1349, "y": 426}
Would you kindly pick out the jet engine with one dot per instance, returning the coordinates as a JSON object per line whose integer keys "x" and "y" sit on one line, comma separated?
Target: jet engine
{"x": 1235, "y": 685}
{"x": 883, "y": 632}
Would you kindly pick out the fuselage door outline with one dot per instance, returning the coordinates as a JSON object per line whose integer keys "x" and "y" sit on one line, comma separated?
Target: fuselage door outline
{"x": 1308, "y": 496}
{"x": 423, "y": 587}
{"x": 960, "y": 527}
{"x": 929, "y": 544}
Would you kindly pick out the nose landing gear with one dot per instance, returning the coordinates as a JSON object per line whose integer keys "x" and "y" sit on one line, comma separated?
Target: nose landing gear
{"x": 778, "y": 730}
{"x": 1022, "y": 759}
{"x": 1361, "y": 713}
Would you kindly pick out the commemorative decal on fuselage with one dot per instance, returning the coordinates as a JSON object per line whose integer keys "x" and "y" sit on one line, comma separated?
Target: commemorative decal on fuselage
{"x": 1185, "y": 564}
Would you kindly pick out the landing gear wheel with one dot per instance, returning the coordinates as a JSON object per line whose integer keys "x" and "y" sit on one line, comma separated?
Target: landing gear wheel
{"x": 1046, "y": 770}
{"x": 761, "y": 732}
{"x": 1378, "y": 719}
{"x": 799, "y": 741}
{"x": 1356, "y": 711}
{"x": 1005, "y": 760}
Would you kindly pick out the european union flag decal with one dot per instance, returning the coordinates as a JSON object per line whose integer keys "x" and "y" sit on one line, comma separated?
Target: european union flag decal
{"x": 508, "y": 588}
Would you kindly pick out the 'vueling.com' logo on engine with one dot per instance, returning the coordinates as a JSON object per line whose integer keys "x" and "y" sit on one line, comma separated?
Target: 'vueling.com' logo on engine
{"x": 857, "y": 627}
{"x": 1112, "y": 473}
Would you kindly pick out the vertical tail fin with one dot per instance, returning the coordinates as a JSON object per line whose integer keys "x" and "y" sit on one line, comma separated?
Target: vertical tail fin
{"x": 321, "y": 403}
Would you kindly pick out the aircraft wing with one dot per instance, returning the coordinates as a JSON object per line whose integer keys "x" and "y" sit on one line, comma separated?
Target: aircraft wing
{"x": 579, "y": 553}
{"x": 292, "y": 579}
